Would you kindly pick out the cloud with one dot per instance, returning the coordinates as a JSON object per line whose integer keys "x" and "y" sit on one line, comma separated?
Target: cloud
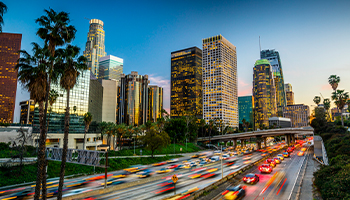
{"x": 244, "y": 88}
{"x": 165, "y": 84}
{"x": 326, "y": 87}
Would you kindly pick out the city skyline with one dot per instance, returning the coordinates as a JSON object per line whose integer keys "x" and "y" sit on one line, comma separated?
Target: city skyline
{"x": 301, "y": 45}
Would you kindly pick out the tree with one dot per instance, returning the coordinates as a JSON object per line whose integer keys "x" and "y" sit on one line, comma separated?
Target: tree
{"x": 71, "y": 65}
{"x": 155, "y": 140}
{"x": 55, "y": 31}
{"x": 87, "y": 122}
{"x": 120, "y": 130}
{"x": 53, "y": 95}
{"x": 340, "y": 97}
{"x": 3, "y": 10}
{"x": 202, "y": 124}
{"x": 22, "y": 138}
{"x": 327, "y": 105}
{"x": 317, "y": 100}
{"x": 334, "y": 80}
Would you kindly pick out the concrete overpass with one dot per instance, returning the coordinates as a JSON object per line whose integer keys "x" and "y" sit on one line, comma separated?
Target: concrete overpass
{"x": 289, "y": 133}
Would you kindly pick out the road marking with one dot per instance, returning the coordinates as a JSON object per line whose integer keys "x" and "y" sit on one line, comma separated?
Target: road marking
{"x": 281, "y": 186}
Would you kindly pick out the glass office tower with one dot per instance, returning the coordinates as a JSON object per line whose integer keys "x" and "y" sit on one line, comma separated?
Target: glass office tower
{"x": 133, "y": 99}
{"x": 245, "y": 105}
{"x": 186, "y": 82}
{"x": 27, "y": 111}
{"x": 155, "y": 102}
{"x": 264, "y": 93}
{"x": 289, "y": 94}
{"x": 10, "y": 44}
{"x": 299, "y": 115}
{"x": 220, "y": 100}
{"x": 110, "y": 67}
{"x": 274, "y": 58}
{"x": 95, "y": 45}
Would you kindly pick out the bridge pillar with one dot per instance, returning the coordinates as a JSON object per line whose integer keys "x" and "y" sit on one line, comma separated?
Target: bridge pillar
{"x": 288, "y": 140}
{"x": 265, "y": 142}
{"x": 293, "y": 138}
{"x": 259, "y": 145}
{"x": 244, "y": 142}
{"x": 234, "y": 143}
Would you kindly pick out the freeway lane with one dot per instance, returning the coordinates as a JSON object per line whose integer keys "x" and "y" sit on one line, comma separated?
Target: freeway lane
{"x": 148, "y": 191}
{"x": 275, "y": 187}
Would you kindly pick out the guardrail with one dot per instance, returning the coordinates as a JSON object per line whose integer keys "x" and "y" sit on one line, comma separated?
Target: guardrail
{"x": 210, "y": 187}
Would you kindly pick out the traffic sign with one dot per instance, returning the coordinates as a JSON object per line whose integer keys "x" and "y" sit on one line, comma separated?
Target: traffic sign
{"x": 174, "y": 178}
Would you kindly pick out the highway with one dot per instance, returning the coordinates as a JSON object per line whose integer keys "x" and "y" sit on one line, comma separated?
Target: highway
{"x": 194, "y": 178}
{"x": 277, "y": 185}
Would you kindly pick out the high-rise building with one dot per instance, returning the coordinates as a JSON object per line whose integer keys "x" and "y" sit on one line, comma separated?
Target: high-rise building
{"x": 27, "y": 112}
{"x": 10, "y": 44}
{"x": 95, "y": 45}
{"x": 186, "y": 82}
{"x": 299, "y": 114}
{"x": 110, "y": 101}
{"x": 264, "y": 93}
{"x": 245, "y": 107}
{"x": 133, "y": 99}
{"x": 289, "y": 94}
{"x": 274, "y": 58}
{"x": 110, "y": 67}
{"x": 86, "y": 96}
{"x": 220, "y": 100}
{"x": 155, "y": 102}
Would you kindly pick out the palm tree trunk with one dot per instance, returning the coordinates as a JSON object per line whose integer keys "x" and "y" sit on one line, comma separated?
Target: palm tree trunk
{"x": 84, "y": 140}
{"x": 341, "y": 116}
{"x": 65, "y": 149}
{"x": 41, "y": 152}
{"x": 44, "y": 190}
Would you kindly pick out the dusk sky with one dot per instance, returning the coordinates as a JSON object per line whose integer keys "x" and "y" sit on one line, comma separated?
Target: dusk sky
{"x": 312, "y": 37}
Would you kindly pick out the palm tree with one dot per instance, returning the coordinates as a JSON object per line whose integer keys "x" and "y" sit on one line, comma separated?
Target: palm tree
{"x": 3, "y": 10}
{"x": 202, "y": 124}
{"x": 327, "y": 105}
{"x": 317, "y": 100}
{"x": 334, "y": 80}
{"x": 53, "y": 95}
{"x": 87, "y": 121}
{"x": 120, "y": 130}
{"x": 340, "y": 98}
{"x": 55, "y": 31}
{"x": 32, "y": 73}
{"x": 72, "y": 66}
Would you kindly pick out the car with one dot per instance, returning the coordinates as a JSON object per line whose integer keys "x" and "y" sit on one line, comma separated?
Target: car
{"x": 271, "y": 162}
{"x": 225, "y": 157}
{"x": 163, "y": 170}
{"x": 251, "y": 178}
{"x": 280, "y": 156}
{"x": 159, "y": 164}
{"x": 185, "y": 166}
{"x": 277, "y": 160}
{"x": 300, "y": 153}
{"x": 303, "y": 149}
{"x": 265, "y": 168}
{"x": 236, "y": 192}
{"x": 264, "y": 154}
{"x": 195, "y": 156}
{"x": 120, "y": 175}
{"x": 229, "y": 163}
{"x": 173, "y": 166}
{"x": 172, "y": 160}
{"x": 77, "y": 191}
{"x": 214, "y": 158}
{"x": 285, "y": 154}
{"x": 203, "y": 162}
{"x": 144, "y": 174}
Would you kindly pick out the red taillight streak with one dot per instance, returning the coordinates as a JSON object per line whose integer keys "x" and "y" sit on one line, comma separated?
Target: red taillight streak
{"x": 164, "y": 190}
{"x": 235, "y": 193}
{"x": 187, "y": 195}
{"x": 225, "y": 192}
{"x": 281, "y": 186}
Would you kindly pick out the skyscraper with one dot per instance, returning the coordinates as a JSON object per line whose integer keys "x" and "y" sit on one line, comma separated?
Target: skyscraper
{"x": 289, "y": 94}
{"x": 27, "y": 112}
{"x": 186, "y": 82}
{"x": 274, "y": 58}
{"x": 245, "y": 105}
{"x": 10, "y": 44}
{"x": 95, "y": 45}
{"x": 110, "y": 67}
{"x": 110, "y": 100}
{"x": 155, "y": 102}
{"x": 264, "y": 93}
{"x": 133, "y": 99}
{"x": 220, "y": 98}
{"x": 299, "y": 115}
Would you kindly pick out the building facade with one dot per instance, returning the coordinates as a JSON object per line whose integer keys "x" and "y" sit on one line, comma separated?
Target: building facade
{"x": 10, "y": 44}
{"x": 220, "y": 100}
{"x": 186, "y": 82}
{"x": 155, "y": 102}
{"x": 273, "y": 57}
{"x": 110, "y": 67}
{"x": 95, "y": 45}
{"x": 110, "y": 101}
{"x": 245, "y": 107}
{"x": 280, "y": 122}
{"x": 289, "y": 94}
{"x": 79, "y": 103}
{"x": 133, "y": 99}
{"x": 299, "y": 114}
{"x": 264, "y": 93}
{"x": 27, "y": 111}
